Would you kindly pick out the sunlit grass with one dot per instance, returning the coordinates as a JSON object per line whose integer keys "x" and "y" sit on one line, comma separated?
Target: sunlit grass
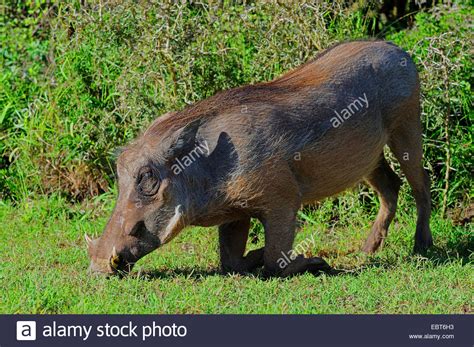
{"x": 44, "y": 262}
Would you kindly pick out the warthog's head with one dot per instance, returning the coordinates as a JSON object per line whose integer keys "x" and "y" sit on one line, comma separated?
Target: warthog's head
{"x": 151, "y": 205}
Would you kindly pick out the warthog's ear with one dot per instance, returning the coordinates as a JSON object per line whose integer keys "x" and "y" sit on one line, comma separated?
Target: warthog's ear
{"x": 185, "y": 141}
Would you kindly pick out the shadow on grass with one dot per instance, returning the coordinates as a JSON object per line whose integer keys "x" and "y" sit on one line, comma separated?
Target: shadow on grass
{"x": 461, "y": 249}
{"x": 199, "y": 274}
{"x": 189, "y": 273}
{"x": 451, "y": 251}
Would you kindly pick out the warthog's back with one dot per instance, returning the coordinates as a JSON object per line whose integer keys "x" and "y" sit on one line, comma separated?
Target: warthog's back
{"x": 329, "y": 119}
{"x": 333, "y": 76}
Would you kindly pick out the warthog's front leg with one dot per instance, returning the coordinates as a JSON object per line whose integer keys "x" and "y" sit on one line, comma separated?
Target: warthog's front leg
{"x": 232, "y": 240}
{"x": 279, "y": 258}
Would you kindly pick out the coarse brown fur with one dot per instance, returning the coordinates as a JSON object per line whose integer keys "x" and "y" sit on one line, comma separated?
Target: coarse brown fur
{"x": 260, "y": 151}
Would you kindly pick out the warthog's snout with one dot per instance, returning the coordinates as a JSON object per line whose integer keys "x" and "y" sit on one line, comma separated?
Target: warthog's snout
{"x": 106, "y": 269}
{"x": 96, "y": 268}
{"x": 115, "y": 264}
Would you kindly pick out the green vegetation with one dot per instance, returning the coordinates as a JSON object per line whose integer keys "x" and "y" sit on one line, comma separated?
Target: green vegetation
{"x": 44, "y": 261}
{"x": 77, "y": 81}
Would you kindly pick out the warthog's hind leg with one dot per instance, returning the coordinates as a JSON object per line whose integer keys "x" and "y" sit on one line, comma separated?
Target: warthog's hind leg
{"x": 387, "y": 184}
{"x": 405, "y": 142}
{"x": 232, "y": 241}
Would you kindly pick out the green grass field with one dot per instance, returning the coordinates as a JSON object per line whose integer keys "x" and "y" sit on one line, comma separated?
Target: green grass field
{"x": 44, "y": 262}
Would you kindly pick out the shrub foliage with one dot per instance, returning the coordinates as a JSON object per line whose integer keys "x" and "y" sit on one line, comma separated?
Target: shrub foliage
{"x": 79, "y": 79}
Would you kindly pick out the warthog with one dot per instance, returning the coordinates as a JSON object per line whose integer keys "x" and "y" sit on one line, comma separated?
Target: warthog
{"x": 261, "y": 151}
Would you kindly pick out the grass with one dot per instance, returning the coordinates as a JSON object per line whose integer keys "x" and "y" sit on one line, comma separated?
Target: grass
{"x": 44, "y": 261}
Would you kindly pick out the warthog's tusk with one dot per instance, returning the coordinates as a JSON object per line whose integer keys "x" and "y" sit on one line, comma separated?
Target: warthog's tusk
{"x": 88, "y": 239}
{"x": 114, "y": 261}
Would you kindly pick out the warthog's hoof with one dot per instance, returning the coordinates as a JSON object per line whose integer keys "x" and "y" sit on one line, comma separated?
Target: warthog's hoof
{"x": 317, "y": 265}
{"x": 422, "y": 247}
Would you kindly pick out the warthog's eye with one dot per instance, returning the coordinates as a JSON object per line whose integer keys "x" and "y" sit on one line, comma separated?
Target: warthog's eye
{"x": 147, "y": 182}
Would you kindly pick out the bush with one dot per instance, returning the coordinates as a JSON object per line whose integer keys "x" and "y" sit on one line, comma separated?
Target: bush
{"x": 80, "y": 80}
